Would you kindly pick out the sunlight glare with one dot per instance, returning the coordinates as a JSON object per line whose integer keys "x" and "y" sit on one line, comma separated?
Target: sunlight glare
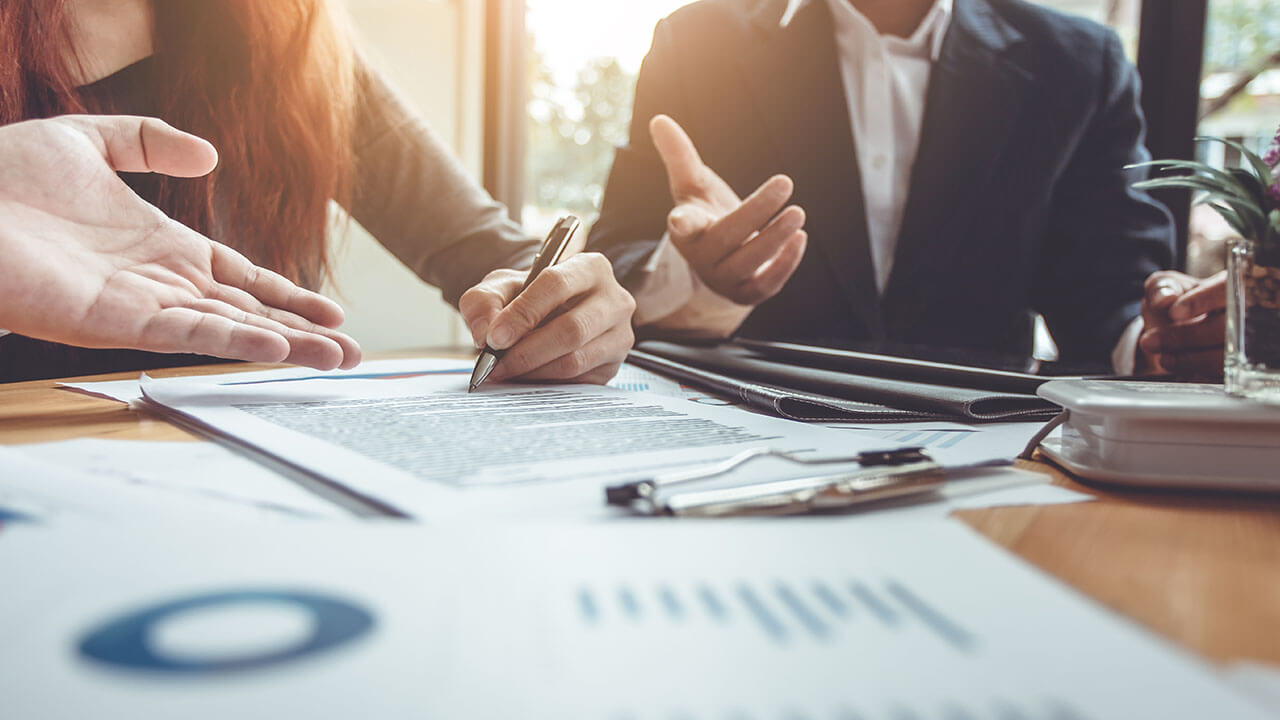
{"x": 569, "y": 33}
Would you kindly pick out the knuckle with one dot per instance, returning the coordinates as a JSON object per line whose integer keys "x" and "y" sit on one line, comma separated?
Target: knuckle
{"x": 577, "y": 329}
{"x": 522, "y": 316}
{"x": 469, "y": 300}
{"x": 576, "y": 363}
{"x": 481, "y": 295}
{"x": 598, "y": 263}
{"x": 556, "y": 281}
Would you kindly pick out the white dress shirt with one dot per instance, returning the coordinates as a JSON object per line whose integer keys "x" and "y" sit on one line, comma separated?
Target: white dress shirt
{"x": 886, "y": 82}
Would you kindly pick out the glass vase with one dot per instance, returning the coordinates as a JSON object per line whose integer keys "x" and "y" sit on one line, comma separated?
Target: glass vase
{"x": 1253, "y": 322}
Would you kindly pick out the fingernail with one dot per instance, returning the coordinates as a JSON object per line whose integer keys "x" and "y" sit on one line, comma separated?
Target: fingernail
{"x": 500, "y": 337}
{"x": 679, "y": 220}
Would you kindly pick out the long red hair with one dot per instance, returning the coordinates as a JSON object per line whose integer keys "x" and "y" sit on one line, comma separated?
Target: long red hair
{"x": 269, "y": 82}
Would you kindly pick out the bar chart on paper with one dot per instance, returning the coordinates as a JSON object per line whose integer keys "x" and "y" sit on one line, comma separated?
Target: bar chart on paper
{"x": 890, "y": 624}
{"x": 809, "y": 621}
{"x": 781, "y": 612}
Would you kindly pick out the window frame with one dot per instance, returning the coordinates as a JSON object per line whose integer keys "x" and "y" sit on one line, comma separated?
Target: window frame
{"x": 506, "y": 95}
{"x": 1171, "y": 36}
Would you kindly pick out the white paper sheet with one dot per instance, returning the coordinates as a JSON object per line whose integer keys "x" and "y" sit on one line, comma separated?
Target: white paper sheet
{"x": 952, "y": 443}
{"x": 425, "y": 446}
{"x": 880, "y": 620}
{"x": 629, "y": 377}
{"x": 201, "y": 471}
{"x": 962, "y": 442}
{"x": 128, "y": 391}
{"x": 1258, "y": 682}
{"x": 33, "y": 490}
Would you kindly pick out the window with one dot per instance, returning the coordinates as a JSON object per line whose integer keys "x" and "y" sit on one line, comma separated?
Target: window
{"x": 582, "y": 64}
{"x": 431, "y": 52}
{"x": 1239, "y": 100}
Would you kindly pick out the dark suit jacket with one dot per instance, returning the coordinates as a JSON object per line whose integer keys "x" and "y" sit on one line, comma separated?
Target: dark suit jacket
{"x": 1019, "y": 200}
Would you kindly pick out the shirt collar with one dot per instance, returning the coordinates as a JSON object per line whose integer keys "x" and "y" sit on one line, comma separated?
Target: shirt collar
{"x": 932, "y": 29}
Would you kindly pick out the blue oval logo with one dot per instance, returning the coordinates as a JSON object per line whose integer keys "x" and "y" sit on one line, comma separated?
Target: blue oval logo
{"x": 123, "y": 642}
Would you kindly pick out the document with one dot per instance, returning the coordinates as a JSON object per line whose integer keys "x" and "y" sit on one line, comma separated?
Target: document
{"x": 425, "y": 447}
{"x": 36, "y": 491}
{"x": 198, "y": 471}
{"x": 128, "y": 391}
{"x": 881, "y": 620}
{"x": 963, "y": 442}
{"x": 629, "y": 377}
{"x": 1257, "y": 681}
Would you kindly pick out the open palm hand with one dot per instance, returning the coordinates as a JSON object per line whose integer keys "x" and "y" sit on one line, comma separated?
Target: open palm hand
{"x": 85, "y": 261}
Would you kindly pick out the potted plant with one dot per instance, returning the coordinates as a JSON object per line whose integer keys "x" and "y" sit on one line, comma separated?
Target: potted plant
{"x": 1248, "y": 198}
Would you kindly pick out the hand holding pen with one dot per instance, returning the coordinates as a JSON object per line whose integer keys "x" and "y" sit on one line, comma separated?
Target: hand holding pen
{"x": 568, "y": 320}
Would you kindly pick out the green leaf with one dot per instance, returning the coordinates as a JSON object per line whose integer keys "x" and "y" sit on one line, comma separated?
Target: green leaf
{"x": 1246, "y": 209}
{"x": 1259, "y": 167}
{"x": 1193, "y": 182}
{"x": 1233, "y": 219}
{"x": 1250, "y": 217}
{"x": 1249, "y": 214}
{"x": 1220, "y": 176}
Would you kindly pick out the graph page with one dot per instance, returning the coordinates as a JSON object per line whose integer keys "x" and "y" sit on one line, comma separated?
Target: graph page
{"x": 827, "y": 620}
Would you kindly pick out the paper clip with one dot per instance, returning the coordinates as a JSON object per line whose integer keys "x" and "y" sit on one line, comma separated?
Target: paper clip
{"x": 882, "y": 474}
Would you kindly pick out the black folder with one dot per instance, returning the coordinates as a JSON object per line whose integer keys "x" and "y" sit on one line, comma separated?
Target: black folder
{"x": 813, "y": 393}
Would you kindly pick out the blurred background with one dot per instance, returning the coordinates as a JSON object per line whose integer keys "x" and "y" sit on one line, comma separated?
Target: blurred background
{"x": 535, "y": 94}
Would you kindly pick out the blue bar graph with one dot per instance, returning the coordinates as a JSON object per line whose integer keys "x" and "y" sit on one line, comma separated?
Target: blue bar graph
{"x": 784, "y": 611}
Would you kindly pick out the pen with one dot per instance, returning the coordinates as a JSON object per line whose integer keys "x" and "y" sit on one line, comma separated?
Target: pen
{"x": 552, "y": 251}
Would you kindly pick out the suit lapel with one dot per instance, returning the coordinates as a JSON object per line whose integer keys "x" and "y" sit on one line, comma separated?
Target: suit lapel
{"x": 800, "y": 100}
{"x": 974, "y": 100}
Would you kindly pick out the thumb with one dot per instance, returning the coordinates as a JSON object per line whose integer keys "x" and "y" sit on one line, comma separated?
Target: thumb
{"x": 684, "y": 166}
{"x": 482, "y": 303}
{"x": 140, "y": 144}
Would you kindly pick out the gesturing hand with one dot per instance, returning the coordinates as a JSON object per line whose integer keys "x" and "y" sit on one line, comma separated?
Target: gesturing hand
{"x": 85, "y": 261}
{"x": 572, "y": 323}
{"x": 1185, "y": 323}
{"x": 744, "y": 250}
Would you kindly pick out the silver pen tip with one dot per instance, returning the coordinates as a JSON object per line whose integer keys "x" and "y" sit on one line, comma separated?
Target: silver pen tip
{"x": 484, "y": 365}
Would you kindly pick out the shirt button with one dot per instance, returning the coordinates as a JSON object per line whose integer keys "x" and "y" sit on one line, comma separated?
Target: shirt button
{"x": 879, "y": 161}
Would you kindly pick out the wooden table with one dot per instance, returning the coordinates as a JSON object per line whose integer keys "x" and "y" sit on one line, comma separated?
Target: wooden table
{"x": 1203, "y": 570}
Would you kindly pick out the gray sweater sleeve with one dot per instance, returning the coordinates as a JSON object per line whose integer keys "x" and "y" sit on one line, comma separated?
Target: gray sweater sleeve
{"x": 413, "y": 195}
